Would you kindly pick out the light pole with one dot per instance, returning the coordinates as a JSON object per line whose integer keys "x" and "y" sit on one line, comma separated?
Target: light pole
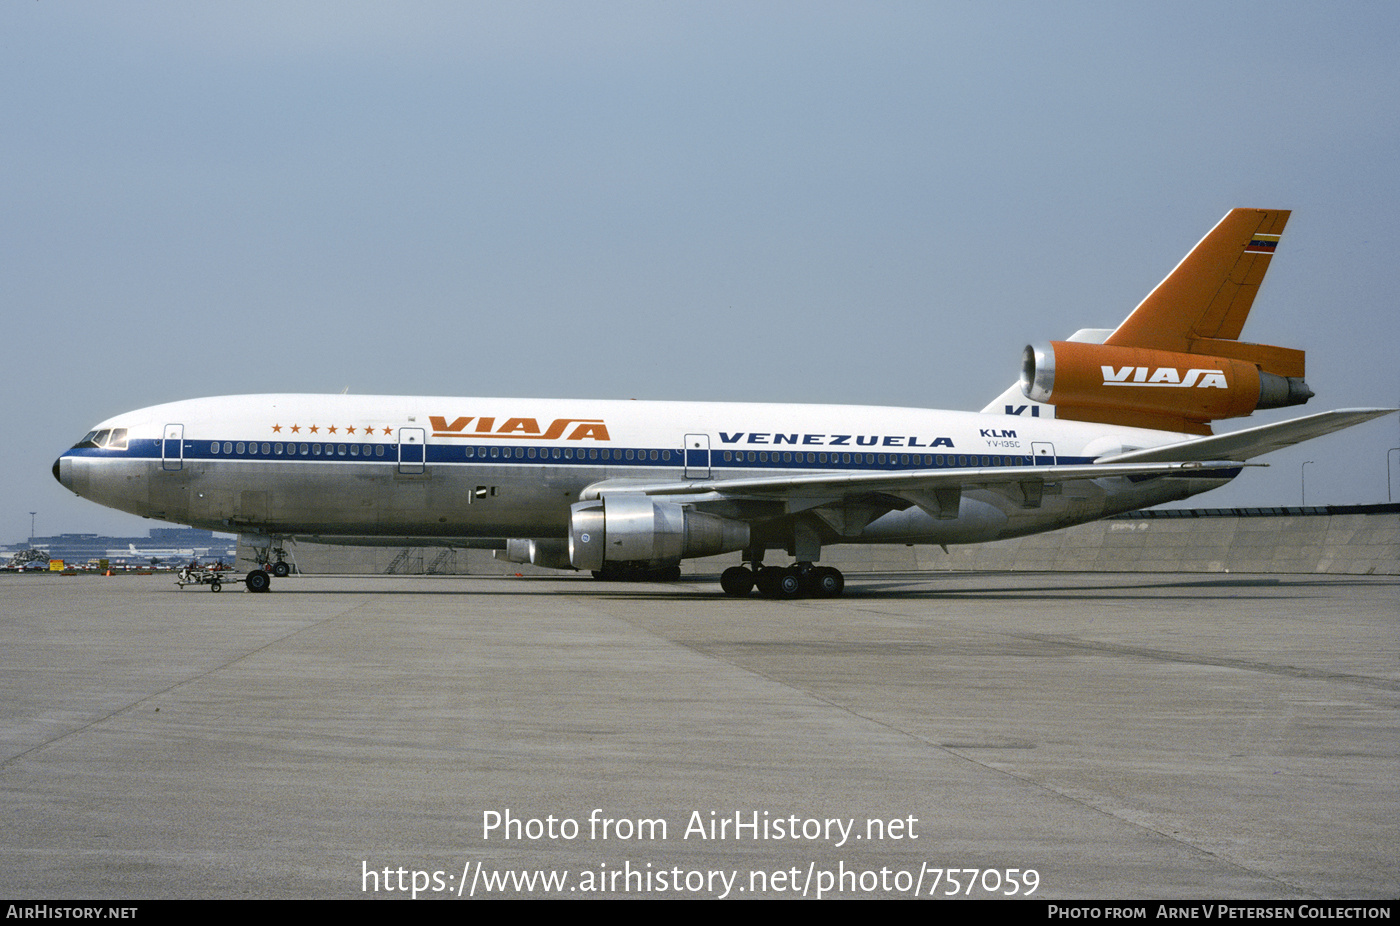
{"x": 1303, "y": 470}
{"x": 33, "y": 513}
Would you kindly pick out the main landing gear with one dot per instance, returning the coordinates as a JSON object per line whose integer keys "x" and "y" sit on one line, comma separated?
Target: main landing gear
{"x": 802, "y": 580}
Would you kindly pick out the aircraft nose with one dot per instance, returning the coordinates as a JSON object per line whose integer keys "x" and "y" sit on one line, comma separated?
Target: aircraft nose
{"x": 58, "y": 469}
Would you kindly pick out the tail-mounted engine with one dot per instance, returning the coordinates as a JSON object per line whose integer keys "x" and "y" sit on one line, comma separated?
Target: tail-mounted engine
{"x": 1154, "y": 388}
{"x": 638, "y": 529}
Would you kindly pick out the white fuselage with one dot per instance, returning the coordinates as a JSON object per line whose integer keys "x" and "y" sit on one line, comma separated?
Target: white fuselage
{"x": 474, "y": 471}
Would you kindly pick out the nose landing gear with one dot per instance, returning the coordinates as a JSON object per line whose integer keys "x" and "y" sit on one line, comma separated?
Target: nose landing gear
{"x": 260, "y": 578}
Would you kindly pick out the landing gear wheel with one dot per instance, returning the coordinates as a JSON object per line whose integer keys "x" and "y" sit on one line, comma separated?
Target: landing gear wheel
{"x": 281, "y": 570}
{"x": 766, "y": 580}
{"x": 789, "y": 584}
{"x": 258, "y": 581}
{"x": 736, "y": 581}
{"x": 826, "y": 582}
{"x": 215, "y": 585}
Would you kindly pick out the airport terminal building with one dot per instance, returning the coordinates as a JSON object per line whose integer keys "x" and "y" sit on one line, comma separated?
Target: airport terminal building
{"x": 163, "y": 545}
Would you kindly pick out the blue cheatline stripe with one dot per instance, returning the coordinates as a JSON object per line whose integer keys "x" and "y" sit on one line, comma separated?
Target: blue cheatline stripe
{"x": 501, "y": 454}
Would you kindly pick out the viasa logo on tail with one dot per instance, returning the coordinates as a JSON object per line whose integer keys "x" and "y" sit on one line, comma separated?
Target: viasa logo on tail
{"x": 521, "y": 428}
{"x": 1164, "y": 376}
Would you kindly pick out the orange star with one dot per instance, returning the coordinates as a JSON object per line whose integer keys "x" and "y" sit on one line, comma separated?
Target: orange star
{"x": 388, "y": 431}
{"x": 330, "y": 430}
{"x": 277, "y": 428}
{"x": 314, "y": 429}
{"x": 350, "y": 430}
{"x": 296, "y": 429}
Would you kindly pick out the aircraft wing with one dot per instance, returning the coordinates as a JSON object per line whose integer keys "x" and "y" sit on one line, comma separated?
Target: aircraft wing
{"x": 835, "y": 485}
{"x": 1251, "y": 442}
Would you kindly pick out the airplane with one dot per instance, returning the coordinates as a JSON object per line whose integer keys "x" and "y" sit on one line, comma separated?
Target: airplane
{"x": 1104, "y": 422}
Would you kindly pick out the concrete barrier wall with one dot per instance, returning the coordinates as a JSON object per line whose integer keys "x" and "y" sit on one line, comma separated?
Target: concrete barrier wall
{"x": 1352, "y": 544}
{"x": 1337, "y": 540}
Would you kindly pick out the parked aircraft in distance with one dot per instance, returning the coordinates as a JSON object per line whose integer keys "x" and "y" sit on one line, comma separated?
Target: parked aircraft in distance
{"x": 1104, "y": 422}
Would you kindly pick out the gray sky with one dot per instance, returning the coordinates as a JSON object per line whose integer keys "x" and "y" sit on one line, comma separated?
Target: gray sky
{"x": 872, "y": 203}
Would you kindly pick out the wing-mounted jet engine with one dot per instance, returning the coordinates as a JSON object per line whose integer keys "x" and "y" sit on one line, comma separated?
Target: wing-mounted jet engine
{"x": 638, "y": 530}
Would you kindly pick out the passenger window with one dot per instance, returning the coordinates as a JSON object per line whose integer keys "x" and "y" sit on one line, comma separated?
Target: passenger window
{"x": 214, "y": 447}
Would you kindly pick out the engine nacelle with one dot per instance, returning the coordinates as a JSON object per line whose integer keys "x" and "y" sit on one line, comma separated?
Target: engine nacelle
{"x": 1153, "y": 382}
{"x": 638, "y": 529}
{"x": 551, "y": 553}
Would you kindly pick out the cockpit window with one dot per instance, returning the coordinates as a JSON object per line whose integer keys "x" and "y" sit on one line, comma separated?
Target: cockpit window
{"x": 111, "y": 438}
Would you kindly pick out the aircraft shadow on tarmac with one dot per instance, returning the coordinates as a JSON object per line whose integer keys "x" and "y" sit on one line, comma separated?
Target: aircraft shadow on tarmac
{"x": 1081, "y": 586}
